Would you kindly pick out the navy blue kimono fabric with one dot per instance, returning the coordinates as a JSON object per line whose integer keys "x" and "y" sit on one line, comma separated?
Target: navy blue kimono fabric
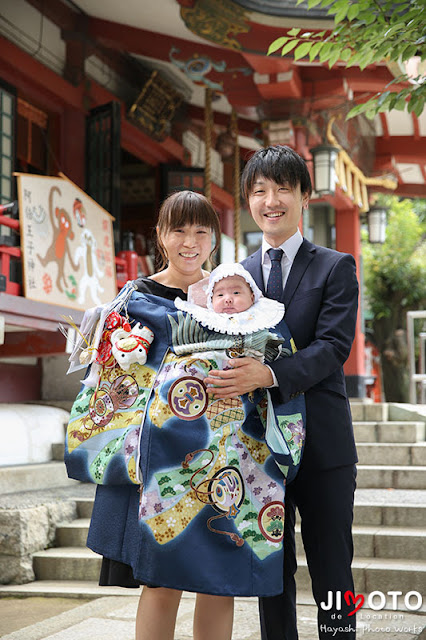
{"x": 209, "y": 513}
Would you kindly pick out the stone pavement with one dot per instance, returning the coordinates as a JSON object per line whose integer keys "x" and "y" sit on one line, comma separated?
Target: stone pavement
{"x": 113, "y": 618}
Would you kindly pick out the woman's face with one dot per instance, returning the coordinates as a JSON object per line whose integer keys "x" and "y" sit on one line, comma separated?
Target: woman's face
{"x": 187, "y": 247}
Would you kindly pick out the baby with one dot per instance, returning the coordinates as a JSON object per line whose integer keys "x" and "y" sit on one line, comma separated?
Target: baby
{"x": 241, "y": 322}
{"x": 230, "y": 303}
{"x": 232, "y": 294}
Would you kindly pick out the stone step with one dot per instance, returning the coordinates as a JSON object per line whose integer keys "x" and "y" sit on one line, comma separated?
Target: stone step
{"x": 78, "y": 589}
{"x": 72, "y": 534}
{"x": 381, "y": 543}
{"x": 394, "y": 477}
{"x": 90, "y": 590}
{"x": 376, "y": 412}
{"x": 58, "y": 451}
{"x": 67, "y": 563}
{"x": 34, "y": 477}
{"x": 369, "y": 541}
{"x": 398, "y": 432}
{"x": 380, "y": 453}
{"x": 370, "y": 574}
{"x": 84, "y": 507}
{"x": 390, "y": 515}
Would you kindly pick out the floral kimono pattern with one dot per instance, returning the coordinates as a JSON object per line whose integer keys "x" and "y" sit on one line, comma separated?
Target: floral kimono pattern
{"x": 209, "y": 515}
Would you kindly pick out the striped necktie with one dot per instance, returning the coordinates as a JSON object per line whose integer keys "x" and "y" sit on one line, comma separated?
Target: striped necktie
{"x": 274, "y": 288}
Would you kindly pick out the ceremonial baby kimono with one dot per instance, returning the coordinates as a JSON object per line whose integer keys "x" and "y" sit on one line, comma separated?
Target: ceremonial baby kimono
{"x": 206, "y": 509}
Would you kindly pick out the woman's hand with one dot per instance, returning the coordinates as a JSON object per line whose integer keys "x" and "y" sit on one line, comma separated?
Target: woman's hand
{"x": 245, "y": 375}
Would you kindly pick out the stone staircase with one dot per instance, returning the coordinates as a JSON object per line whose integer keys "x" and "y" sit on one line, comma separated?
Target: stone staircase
{"x": 389, "y": 518}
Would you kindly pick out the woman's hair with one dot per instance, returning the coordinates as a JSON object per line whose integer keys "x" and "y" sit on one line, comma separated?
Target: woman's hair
{"x": 280, "y": 164}
{"x": 182, "y": 208}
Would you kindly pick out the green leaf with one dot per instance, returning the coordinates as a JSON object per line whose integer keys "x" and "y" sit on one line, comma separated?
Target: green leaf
{"x": 313, "y": 3}
{"x": 277, "y": 44}
{"x": 289, "y": 46}
{"x": 383, "y": 97}
{"x": 293, "y": 32}
{"x": 392, "y": 100}
{"x": 371, "y": 114}
{"x": 346, "y": 54}
{"x": 370, "y": 17}
{"x": 418, "y": 109}
{"x": 302, "y": 50}
{"x": 341, "y": 14}
{"x": 355, "y": 111}
{"x": 334, "y": 57}
{"x": 315, "y": 49}
{"x": 353, "y": 11}
{"x": 400, "y": 104}
{"x": 325, "y": 51}
{"x": 409, "y": 52}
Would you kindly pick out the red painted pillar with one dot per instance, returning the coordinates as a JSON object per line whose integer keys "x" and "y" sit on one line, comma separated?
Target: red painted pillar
{"x": 348, "y": 240}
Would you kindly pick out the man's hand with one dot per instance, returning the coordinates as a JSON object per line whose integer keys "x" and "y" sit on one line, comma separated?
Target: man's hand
{"x": 245, "y": 375}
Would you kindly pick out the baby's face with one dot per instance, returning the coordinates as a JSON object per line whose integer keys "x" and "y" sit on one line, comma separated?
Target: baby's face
{"x": 232, "y": 295}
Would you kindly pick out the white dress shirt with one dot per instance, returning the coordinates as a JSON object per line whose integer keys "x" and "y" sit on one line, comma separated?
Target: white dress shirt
{"x": 290, "y": 248}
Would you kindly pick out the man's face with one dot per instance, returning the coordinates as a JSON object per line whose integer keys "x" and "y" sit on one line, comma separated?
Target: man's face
{"x": 276, "y": 209}
{"x": 232, "y": 295}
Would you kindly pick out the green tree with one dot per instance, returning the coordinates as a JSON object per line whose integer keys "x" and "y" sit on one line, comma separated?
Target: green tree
{"x": 395, "y": 282}
{"x": 367, "y": 32}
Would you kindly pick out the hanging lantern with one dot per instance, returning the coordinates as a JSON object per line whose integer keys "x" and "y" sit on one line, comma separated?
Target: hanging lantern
{"x": 324, "y": 158}
{"x": 376, "y": 220}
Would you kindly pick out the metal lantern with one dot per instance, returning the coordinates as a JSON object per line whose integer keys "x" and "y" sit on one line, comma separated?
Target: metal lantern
{"x": 376, "y": 220}
{"x": 324, "y": 158}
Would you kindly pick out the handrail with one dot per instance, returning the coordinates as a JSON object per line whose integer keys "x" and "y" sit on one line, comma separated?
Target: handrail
{"x": 350, "y": 177}
{"x": 415, "y": 377}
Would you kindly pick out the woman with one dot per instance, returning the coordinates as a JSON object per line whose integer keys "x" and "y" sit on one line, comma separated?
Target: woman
{"x": 209, "y": 515}
{"x": 187, "y": 224}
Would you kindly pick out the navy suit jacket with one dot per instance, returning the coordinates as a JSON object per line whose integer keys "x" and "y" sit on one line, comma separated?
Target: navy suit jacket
{"x": 321, "y": 301}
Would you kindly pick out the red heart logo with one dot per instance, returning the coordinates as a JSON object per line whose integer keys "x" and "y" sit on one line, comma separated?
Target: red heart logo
{"x": 350, "y": 597}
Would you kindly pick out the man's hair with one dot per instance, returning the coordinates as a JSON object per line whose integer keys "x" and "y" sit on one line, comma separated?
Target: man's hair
{"x": 280, "y": 164}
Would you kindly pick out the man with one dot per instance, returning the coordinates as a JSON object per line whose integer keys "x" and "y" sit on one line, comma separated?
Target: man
{"x": 320, "y": 291}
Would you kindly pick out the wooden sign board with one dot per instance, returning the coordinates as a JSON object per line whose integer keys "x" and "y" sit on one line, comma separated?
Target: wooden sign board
{"x": 66, "y": 242}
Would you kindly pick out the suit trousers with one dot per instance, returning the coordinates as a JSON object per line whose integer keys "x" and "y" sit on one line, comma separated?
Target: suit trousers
{"x": 324, "y": 499}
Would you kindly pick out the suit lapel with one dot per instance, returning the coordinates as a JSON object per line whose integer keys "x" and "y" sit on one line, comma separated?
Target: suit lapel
{"x": 300, "y": 264}
{"x": 253, "y": 264}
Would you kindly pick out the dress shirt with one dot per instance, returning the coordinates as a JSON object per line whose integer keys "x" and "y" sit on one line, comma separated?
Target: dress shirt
{"x": 290, "y": 248}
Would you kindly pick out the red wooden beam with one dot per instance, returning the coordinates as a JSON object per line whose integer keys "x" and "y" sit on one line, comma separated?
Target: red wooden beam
{"x": 155, "y": 45}
{"x": 22, "y": 312}
{"x": 290, "y": 88}
{"x": 148, "y": 150}
{"x": 407, "y": 190}
{"x": 57, "y": 12}
{"x": 32, "y": 343}
{"x": 239, "y": 88}
{"x": 35, "y": 80}
{"x": 404, "y": 148}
